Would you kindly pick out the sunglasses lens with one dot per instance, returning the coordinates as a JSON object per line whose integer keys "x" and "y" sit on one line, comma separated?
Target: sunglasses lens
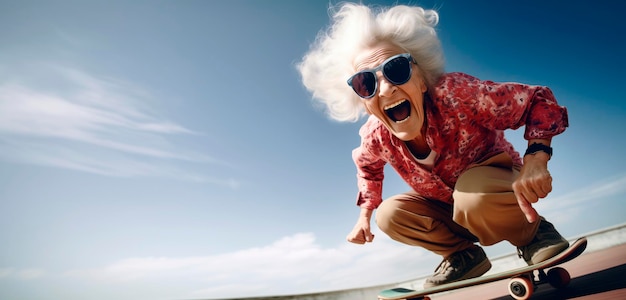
{"x": 397, "y": 70}
{"x": 364, "y": 84}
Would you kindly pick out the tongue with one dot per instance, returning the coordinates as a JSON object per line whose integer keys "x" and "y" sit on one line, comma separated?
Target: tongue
{"x": 400, "y": 112}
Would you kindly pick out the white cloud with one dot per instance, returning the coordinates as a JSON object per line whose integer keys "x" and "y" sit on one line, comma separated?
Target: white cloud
{"x": 22, "y": 274}
{"x": 65, "y": 118}
{"x": 292, "y": 265}
{"x": 298, "y": 264}
{"x": 5, "y": 272}
{"x": 571, "y": 202}
{"x": 27, "y": 274}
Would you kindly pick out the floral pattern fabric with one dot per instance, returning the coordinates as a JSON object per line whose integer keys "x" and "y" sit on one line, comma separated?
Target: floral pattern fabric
{"x": 466, "y": 120}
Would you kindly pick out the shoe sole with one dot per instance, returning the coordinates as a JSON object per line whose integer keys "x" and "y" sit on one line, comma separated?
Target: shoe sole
{"x": 477, "y": 271}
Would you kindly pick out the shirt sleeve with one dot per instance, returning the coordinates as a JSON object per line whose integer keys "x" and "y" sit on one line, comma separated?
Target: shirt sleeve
{"x": 370, "y": 170}
{"x": 510, "y": 105}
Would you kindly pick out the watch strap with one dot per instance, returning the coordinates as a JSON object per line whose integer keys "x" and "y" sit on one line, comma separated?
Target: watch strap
{"x": 536, "y": 147}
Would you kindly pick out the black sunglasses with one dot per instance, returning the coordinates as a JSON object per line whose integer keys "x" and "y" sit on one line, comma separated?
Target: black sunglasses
{"x": 397, "y": 70}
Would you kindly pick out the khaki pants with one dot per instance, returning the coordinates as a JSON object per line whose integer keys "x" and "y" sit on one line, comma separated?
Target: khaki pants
{"x": 485, "y": 210}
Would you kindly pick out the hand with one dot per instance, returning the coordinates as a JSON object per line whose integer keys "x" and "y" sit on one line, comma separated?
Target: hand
{"x": 361, "y": 233}
{"x": 533, "y": 183}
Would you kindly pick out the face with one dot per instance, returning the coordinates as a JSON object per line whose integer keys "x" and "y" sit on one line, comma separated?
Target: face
{"x": 399, "y": 107}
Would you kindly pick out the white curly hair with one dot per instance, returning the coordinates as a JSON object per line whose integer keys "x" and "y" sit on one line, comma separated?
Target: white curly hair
{"x": 329, "y": 62}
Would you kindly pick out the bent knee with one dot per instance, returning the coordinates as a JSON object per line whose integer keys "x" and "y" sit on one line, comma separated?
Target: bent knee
{"x": 467, "y": 202}
{"x": 399, "y": 216}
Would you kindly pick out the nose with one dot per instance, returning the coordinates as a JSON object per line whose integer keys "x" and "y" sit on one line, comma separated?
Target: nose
{"x": 385, "y": 88}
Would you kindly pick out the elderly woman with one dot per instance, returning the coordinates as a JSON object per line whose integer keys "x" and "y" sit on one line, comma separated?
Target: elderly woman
{"x": 443, "y": 134}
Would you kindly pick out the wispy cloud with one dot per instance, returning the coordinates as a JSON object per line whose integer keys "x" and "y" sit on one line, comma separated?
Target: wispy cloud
{"x": 65, "y": 118}
{"x": 22, "y": 274}
{"x": 573, "y": 205}
{"x": 293, "y": 264}
{"x": 298, "y": 264}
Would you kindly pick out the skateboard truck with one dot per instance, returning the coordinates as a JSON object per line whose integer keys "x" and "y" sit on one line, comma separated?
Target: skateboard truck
{"x": 524, "y": 285}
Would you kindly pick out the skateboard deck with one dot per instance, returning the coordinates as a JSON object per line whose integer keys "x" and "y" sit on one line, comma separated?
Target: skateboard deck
{"x": 522, "y": 280}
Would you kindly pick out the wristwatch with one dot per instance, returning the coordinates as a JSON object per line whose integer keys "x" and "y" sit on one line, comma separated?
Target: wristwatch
{"x": 536, "y": 147}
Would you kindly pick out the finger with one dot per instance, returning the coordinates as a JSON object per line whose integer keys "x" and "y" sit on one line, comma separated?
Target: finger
{"x": 538, "y": 193}
{"x": 527, "y": 209}
{"x": 370, "y": 238}
{"x": 529, "y": 196}
{"x": 546, "y": 187}
{"x": 531, "y": 215}
{"x": 358, "y": 239}
{"x": 524, "y": 191}
{"x": 540, "y": 188}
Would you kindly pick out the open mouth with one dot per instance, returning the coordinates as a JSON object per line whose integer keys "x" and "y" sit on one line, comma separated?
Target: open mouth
{"x": 399, "y": 111}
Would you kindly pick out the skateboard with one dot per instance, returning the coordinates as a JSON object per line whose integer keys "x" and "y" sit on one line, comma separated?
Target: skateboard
{"x": 522, "y": 281}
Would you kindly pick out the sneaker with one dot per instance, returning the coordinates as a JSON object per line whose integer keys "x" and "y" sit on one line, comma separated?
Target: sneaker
{"x": 546, "y": 244}
{"x": 466, "y": 264}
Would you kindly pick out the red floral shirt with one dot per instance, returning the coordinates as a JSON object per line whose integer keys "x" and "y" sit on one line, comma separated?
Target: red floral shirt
{"x": 466, "y": 123}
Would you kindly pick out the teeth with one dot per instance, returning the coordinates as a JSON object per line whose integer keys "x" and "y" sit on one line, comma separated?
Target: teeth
{"x": 393, "y": 104}
{"x": 393, "y": 115}
{"x": 402, "y": 121}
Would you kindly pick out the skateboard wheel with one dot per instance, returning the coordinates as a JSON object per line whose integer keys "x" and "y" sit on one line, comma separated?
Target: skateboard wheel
{"x": 558, "y": 277}
{"x": 521, "y": 288}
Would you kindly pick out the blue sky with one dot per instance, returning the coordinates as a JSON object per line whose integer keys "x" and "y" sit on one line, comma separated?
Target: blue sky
{"x": 160, "y": 150}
